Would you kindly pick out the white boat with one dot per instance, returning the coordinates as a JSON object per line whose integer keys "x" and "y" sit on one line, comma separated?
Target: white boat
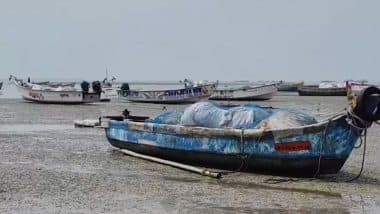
{"x": 109, "y": 90}
{"x": 263, "y": 92}
{"x": 190, "y": 93}
{"x": 108, "y": 93}
{"x": 67, "y": 94}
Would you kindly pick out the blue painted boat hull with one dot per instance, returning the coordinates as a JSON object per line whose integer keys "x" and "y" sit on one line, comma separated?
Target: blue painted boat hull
{"x": 246, "y": 150}
{"x": 291, "y": 166}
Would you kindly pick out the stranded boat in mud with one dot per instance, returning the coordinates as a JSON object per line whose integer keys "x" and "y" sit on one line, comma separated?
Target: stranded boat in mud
{"x": 58, "y": 93}
{"x": 307, "y": 149}
{"x": 326, "y": 88}
{"x": 263, "y": 92}
{"x": 191, "y": 93}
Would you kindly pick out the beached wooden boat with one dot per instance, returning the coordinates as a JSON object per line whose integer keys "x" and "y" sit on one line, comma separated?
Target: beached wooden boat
{"x": 263, "y": 92}
{"x": 314, "y": 90}
{"x": 288, "y": 86}
{"x": 320, "y": 148}
{"x": 187, "y": 94}
{"x": 59, "y": 95}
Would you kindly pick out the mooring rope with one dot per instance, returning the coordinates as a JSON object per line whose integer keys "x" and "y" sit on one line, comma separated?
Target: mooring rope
{"x": 363, "y": 141}
{"x": 242, "y": 156}
{"x": 363, "y": 158}
{"x": 321, "y": 149}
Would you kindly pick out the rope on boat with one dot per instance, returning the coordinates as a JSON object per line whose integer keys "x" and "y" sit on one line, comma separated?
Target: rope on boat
{"x": 366, "y": 124}
{"x": 363, "y": 141}
{"x": 189, "y": 168}
{"x": 321, "y": 149}
{"x": 242, "y": 156}
{"x": 363, "y": 158}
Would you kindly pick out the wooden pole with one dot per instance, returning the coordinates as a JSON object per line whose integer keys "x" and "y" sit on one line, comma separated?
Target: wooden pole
{"x": 200, "y": 171}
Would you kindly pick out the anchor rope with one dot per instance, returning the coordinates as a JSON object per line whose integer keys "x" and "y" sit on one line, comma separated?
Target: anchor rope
{"x": 363, "y": 158}
{"x": 321, "y": 149}
{"x": 242, "y": 156}
{"x": 363, "y": 141}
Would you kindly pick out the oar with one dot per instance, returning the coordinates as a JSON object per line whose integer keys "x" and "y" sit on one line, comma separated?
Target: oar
{"x": 200, "y": 171}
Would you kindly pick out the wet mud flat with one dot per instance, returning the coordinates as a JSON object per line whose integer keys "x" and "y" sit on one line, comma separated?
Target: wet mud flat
{"x": 48, "y": 166}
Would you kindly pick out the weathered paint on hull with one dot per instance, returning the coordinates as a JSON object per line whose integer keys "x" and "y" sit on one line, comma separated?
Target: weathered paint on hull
{"x": 225, "y": 148}
{"x": 292, "y": 166}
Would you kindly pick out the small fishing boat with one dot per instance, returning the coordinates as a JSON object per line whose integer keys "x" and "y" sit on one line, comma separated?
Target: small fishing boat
{"x": 325, "y": 88}
{"x": 306, "y": 150}
{"x": 190, "y": 93}
{"x": 108, "y": 93}
{"x": 109, "y": 90}
{"x": 262, "y": 92}
{"x": 58, "y": 93}
{"x": 288, "y": 86}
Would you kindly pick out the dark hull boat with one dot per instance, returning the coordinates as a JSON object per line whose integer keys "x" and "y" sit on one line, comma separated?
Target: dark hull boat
{"x": 289, "y": 86}
{"x": 304, "y": 151}
{"x": 316, "y": 91}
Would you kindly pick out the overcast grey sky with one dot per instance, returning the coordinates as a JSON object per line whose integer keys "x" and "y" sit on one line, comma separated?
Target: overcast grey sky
{"x": 198, "y": 39}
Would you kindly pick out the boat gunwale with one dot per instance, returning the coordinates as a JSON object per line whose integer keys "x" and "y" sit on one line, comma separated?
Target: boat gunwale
{"x": 34, "y": 90}
{"x": 227, "y": 132}
{"x": 316, "y": 88}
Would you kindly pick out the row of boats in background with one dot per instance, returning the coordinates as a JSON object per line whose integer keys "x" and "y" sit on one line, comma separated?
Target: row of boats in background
{"x": 189, "y": 92}
{"x": 246, "y": 137}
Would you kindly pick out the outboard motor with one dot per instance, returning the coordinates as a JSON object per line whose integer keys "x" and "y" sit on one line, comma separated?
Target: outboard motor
{"x": 97, "y": 87}
{"x": 85, "y": 86}
{"x": 124, "y": 89}
{"x": 366, "y": 107}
